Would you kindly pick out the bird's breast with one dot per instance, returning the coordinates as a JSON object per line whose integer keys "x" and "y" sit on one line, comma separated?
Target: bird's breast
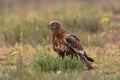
{"x": 59, "y": 45}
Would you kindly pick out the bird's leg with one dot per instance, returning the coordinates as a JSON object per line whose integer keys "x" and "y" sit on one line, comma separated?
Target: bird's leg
{"x": 75, "y": 55}
{"x": 61, "y": 54}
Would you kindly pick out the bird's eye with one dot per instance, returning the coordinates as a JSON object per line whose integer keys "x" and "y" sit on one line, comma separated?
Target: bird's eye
{"x": 53, "y": 24}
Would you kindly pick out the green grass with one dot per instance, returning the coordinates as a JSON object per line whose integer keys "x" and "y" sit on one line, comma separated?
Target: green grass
{"x": 48, "y": 66}
{"x": 49, "y": 63}
{"x": 51, "y": 67}
{"x": 30, "y": 26}
{"x": 25, "y": 48}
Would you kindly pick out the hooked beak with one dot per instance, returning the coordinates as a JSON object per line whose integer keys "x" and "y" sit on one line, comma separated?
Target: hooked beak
{"x": 49, "y": 26}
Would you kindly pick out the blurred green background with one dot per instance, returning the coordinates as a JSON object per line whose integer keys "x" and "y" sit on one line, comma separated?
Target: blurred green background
{"x": 25, "y": 46}
{"x": 26, "y": 20}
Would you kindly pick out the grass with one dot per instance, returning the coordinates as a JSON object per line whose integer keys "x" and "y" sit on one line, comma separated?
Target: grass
{"x": 32, "y": 27}
{"x": 47, "y": 64}
{"x": 25, "y": 47}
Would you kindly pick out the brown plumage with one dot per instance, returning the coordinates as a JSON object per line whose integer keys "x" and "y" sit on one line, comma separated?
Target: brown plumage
{"x": 65, "y": 43}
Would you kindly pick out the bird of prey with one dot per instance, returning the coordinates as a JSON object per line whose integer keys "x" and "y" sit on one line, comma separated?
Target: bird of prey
{"x": 65, "y": 43}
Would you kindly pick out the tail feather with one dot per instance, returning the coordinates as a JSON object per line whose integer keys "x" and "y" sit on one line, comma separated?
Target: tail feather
{"x": 88, "y": 58}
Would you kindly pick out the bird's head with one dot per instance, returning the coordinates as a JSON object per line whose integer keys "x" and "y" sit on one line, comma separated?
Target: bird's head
{"x": 54, "y": 25}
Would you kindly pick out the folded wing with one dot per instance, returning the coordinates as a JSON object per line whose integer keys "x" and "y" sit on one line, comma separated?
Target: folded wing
{"x": 74, "y": 43}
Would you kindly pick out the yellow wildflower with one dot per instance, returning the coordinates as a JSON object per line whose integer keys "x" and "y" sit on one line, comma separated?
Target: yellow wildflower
{"x": 110, "y": 31}
{"x": 104, "y": 20}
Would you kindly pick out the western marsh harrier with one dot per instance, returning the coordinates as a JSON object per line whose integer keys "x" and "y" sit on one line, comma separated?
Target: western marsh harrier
{"x": 65, "y": 43}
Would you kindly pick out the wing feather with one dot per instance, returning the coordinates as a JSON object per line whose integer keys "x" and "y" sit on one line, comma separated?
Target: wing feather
{"x": 74, "y": 43}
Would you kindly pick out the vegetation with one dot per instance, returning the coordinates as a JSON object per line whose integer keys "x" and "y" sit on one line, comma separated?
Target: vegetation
{"x": 26, "y": 52}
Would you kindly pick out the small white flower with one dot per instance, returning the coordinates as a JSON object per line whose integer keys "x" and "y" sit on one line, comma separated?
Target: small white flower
{"x": 58, "y": 72}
